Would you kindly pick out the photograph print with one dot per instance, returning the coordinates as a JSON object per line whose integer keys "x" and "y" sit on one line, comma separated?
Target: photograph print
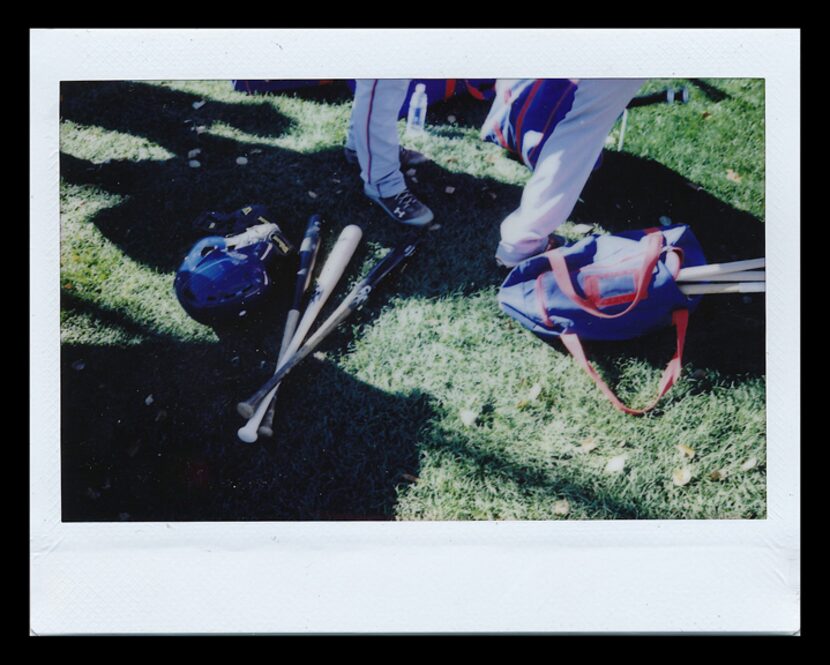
{"x": 412, "y": 300}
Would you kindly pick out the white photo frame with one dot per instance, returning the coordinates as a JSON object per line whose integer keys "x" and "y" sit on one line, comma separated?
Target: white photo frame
{"x": 413, "y": 577}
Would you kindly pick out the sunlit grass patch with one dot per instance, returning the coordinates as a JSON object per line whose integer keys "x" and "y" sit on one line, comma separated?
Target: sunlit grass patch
{"x": 98, "y": 145}
{"x": 95, "y": 270}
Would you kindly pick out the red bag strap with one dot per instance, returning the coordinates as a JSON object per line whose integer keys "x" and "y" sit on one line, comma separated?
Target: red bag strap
{"x": 520, "y": 119}
{"x": 474, "y": 91}
{"x": 680, "y": 319}
{"x": 654, "y": 248}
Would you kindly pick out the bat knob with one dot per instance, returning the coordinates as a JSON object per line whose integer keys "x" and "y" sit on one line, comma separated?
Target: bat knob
{"x": 247, "y": 434}
{"x": 266, "y": 431}
{"x": 245, "y": 410}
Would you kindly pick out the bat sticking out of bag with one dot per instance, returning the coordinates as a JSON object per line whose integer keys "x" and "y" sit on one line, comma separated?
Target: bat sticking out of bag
{"x": 735, "y": 277}
{"x": 353, "y": 301}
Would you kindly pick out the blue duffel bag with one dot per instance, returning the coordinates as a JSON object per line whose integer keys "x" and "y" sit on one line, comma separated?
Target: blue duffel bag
{"x": 607, "y": 287}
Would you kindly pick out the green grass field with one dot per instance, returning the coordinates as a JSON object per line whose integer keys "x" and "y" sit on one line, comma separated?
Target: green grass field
{"x": 430, "y": 404}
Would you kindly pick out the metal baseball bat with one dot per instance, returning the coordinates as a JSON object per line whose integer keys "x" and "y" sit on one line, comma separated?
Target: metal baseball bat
{"x": 350, "y": 303}
{"x": 331, "y": 273}
{"x": 308, "y": 256}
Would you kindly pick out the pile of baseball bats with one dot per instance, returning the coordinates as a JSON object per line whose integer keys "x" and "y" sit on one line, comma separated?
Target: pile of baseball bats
{"x": 259, "y": 408}
{"x": 735, "y": 277}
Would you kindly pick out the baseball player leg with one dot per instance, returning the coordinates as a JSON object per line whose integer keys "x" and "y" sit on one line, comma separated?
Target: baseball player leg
{"x": 374, "y": 134}
{"x": 563, "y": 167}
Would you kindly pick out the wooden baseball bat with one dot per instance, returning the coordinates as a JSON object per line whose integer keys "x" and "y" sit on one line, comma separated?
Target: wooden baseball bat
{"x": 706, "y": 271}
{"x": 350, "y": 303}
{"x": 725, "y": 287}
{"x": 308, "y": 256}
{"x": 742, "y": 276}
{"x": 331, "y": 273}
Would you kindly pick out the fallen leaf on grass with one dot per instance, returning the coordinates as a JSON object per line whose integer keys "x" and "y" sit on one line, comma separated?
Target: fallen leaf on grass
{"x": 718, "y": 474}
{"x": 681, "y": 477}
{"x": 450, "y": 118}
{"x": 535, "y": 391}
{"x": 201, "y": 129}
{"x": 468, "y": 417}
{"x": 194, "y": 164}
{"x": 198, "y": 105}
{"x": 733, "y": 176}
{"x": 706, "y": 114}
{"x": 615, "y": 464}
{"x": 449, "y": 189}
{"x": 242, "y": 161}
{"x": 194, "y": 153}
{"x": 750, "y": 464}
{"x": 313, "y": 195}
{"x": 587, "y": 445}
{"x": 561, "y": 507}
{"x": 410, "y": 477}
{"x": 685, "y": 451}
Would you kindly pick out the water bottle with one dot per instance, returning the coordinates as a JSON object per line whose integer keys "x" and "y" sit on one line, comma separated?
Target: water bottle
{"x": 417, "y": 110}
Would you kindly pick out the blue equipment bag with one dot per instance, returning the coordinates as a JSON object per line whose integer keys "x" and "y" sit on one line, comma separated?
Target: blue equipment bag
{"x": 607, "y": 287}
{"x": 525, "y": 113}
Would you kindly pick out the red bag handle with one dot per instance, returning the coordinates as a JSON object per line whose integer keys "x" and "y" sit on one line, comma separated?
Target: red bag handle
{"x": 559, "y": 268}
{"x": 680, "y": 319}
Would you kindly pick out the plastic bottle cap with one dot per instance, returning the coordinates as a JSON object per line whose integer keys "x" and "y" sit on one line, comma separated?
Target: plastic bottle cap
{"x": 420, "y": 87}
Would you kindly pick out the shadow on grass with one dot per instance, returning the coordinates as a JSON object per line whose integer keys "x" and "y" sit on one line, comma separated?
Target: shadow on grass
{"x": 162, "y": 115}
{"x": 335, "y": 92}
{"x": 156, "y": 440}
{"x": 712, "y": 92}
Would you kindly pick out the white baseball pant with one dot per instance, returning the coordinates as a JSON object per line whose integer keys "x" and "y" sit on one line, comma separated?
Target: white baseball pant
{"x": 564, "y": 164}
{"x": 373, "y": 134}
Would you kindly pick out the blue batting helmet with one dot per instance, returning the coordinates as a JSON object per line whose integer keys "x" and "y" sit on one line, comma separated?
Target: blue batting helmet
{"x": 225, "y": 277}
